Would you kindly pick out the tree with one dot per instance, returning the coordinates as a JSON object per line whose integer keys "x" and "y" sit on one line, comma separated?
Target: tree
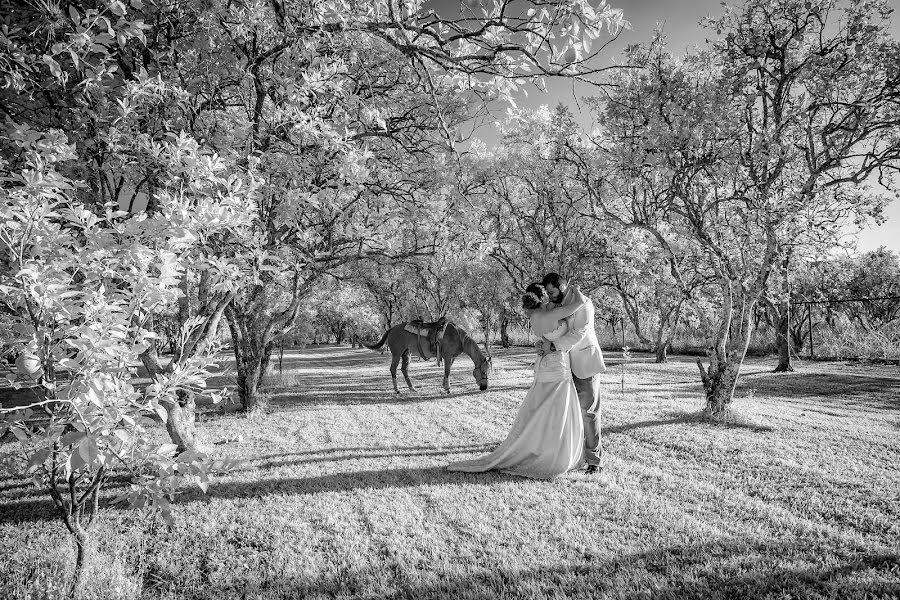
{"x": 874, "y": 276}
{"x": 344, "y": 108}
{"x": 94, "y": 71}
{"x": 489, "y": 291}
{"x": 78, "y": 289}
{"x": 651, "y": 296}
{"x": 534, "y": 218}
{"x": 214, "y": 208}
{"x": 389, "y": 287}
{"x": 79, "y": 68}
{"x": 753, "y": 138}
{"x": 346, "y": 310}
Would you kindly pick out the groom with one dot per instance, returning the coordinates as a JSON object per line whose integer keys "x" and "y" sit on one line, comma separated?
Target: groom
{"x": 587, "y": 361}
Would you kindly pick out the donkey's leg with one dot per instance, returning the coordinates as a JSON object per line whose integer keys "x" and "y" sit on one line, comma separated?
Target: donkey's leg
{"x": 395, "y": 360}
{"x": 448, "y": 362}
{"x": 404, "y": 366}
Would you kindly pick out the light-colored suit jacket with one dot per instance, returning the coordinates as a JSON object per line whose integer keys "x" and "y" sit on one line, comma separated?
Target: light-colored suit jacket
{"x": 581, "y": 340}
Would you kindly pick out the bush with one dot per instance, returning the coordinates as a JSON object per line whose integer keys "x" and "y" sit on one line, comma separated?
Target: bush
{"x": 846, "y": 340}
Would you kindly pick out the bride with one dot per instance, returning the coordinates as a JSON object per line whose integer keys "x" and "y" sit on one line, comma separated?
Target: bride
{"x": 547, "y": 436}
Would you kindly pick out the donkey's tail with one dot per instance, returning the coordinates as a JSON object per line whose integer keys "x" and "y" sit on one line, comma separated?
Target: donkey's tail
{"x": 380, "y": 342}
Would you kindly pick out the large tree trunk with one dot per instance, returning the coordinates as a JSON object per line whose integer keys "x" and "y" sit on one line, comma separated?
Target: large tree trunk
{"x": 504, "y": 332}
{"x": 250, "y": 372}
{"x": 254, "y": 331}
{"x": 668, "y": 324}
{"x": 633, "y": 310}
{"x": 181, "y": 414}
{"x": 180, "y": 418}
{"x": 798, "y": 334}
{"x": 783, "y": 323}
{"x": 251, "y": 357}
{"x": 727, "y": 355}
{"x": 662, "y": 351}
{"x": 783, "y": 339}
{"x": 720, "y": 386}
{"x": 181, "y": 421}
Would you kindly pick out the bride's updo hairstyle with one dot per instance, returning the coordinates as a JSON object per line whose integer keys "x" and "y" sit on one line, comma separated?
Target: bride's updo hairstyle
{"x": 534, "y": 294}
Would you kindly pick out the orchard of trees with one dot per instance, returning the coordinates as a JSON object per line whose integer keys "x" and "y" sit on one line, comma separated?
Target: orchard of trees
{"x": 176, "y": 174}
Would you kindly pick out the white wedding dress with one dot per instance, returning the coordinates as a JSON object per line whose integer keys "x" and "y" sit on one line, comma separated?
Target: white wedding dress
{"x": 547, "y": 436}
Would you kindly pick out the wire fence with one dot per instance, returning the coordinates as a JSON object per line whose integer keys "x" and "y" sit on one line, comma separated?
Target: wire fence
{"x": 855, "y": 332}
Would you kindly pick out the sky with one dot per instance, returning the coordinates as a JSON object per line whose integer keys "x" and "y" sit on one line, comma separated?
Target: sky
{"x": 679, "y": 20}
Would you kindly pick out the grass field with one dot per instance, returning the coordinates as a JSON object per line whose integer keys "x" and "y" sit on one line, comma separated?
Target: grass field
{"x": 343, "y": 493}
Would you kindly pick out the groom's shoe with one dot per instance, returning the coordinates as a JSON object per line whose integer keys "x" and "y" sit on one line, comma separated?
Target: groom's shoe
{"x": 592, "y": 470}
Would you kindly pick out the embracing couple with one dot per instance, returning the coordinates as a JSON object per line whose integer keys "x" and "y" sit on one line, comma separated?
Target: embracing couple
{"x": 557, "y": 427}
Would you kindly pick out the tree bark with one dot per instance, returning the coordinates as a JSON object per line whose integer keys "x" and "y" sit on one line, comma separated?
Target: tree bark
{"x": 251, "y": 360}
{"x": 783, "y": 325}
{"x": 78, "y": 513}
{"x": 668, "y": 325}
{"x": 82, "y": 554}
{"x": 181, "y": 421}
{"x": 249, "y": 375}
{"x": 504, "y": 332}
{"x": 720, "y": 389}
{"x": 783, "y": 340}
{"x": 633, "y": 310}
{"x": 731, "y": 343}
{"x": 662, "y": 351}
{"x": 180, "y": 415}
{"x": 249, "y": 385}
{"x": 255, "y": 330}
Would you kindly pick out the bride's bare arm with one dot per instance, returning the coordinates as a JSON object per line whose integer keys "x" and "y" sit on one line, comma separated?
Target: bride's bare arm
{"x": 568, "y": 310}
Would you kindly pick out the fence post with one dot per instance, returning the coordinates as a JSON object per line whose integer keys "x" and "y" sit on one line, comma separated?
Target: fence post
{"x": 812, "y": 351}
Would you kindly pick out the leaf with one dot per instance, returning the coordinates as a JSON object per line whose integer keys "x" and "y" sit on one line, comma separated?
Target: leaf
{"x": 76, "y": 461}
{"x": 167, "y": 449}
{"x": 88, "y": 450}
{"x": 37, "y": 459}
{"x": 55, "y": 69}
{"x": 70, "y": 438}
{"x": 68, "y": 363}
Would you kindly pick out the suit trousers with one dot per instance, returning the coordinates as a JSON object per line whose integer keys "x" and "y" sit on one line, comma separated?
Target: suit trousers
{"x": 589, "y": 398}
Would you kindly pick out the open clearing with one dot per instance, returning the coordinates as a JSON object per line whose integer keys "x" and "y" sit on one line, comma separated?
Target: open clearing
{"x": 343, "y": 493}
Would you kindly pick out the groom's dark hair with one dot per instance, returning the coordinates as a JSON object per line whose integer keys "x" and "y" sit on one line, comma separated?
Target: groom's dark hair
{"x": 554, "y": 279}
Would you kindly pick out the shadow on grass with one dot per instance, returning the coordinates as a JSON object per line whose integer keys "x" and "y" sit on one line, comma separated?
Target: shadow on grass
{"x": 33, "y": 504}
{"x": 674, "y": 572}
{"x": 731, "y": 421}
{"x": 345, "y": 482}
{"x": 40, "y": 508}
{"x": 370, "y": 390}
{"x": 345, "y": 454}
{"x": 844, "y": 390}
